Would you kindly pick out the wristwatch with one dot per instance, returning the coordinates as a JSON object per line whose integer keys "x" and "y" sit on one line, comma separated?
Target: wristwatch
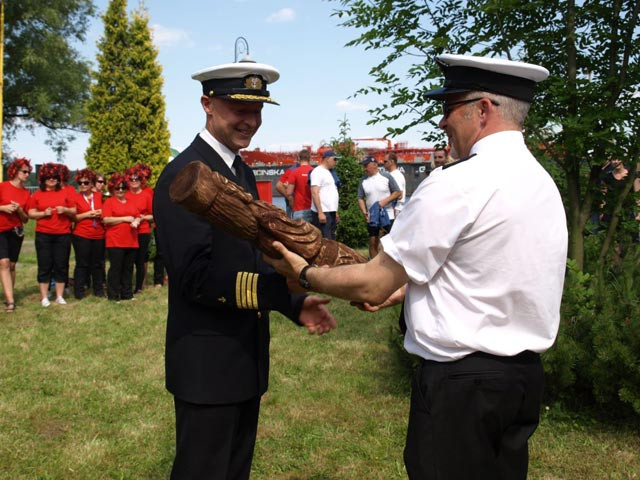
{"x": 302, "y": 279}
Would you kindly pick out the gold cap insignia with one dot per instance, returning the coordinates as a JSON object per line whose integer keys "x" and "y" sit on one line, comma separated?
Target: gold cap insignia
{"x": 253, "y": 82}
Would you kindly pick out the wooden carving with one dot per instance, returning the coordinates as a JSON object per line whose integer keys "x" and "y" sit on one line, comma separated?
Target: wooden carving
{"x": 230, "y": 208}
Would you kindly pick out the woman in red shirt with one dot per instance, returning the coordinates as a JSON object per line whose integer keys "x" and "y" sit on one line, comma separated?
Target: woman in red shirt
{"x": 52, "y": 209}
{"x": 121, "y": 218}
{"x": 140, "y": 197}
{"x": 14, "y": 200}
{"x": 88, "y": 237}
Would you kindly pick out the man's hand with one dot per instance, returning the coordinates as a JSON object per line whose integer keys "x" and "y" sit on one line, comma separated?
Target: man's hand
{"x": 289, "y": 265}
{"x": 315, "y": 316}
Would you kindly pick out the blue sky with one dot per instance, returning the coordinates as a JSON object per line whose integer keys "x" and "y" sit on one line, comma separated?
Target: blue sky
{"x": 299, "y": 37}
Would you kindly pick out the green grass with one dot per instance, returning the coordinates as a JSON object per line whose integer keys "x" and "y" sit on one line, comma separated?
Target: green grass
{"x": 82, "y": 397}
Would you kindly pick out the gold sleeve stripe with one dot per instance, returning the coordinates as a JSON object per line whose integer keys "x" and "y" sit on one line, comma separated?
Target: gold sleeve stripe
{"x": 239, "y": 289}
{"x": 247, "y": 290}
{"x": 254, "y": 291}
{"x": 243, "y": 290}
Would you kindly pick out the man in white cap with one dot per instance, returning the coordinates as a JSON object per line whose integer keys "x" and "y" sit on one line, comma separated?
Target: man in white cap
{"x": 220, "y": 291}
{"x": 478, "y": 256}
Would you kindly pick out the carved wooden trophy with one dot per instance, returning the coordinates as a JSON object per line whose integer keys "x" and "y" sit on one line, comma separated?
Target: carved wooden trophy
{"x": 232, "y": 209}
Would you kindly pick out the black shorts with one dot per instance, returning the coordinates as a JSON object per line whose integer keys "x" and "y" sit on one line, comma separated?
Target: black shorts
{"x": 11, "y": 243}
{"x": 375, "y": 231}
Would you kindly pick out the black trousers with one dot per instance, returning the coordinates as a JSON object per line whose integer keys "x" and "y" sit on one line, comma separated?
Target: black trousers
{"x": 472, "y": 418}
{"x": 120, "y": 276}
{"x": 158, "y": 263}
{"x": 89, "y": 265}
{"x": 52, "y": 252}
{"x": 142, "y": 257}
{"x": 215, "y": 442}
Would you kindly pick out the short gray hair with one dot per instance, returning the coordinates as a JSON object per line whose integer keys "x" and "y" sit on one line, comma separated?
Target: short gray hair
{"x": 512, "y": 110}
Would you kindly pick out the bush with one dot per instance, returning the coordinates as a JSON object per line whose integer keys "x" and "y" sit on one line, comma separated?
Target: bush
{"x": 352, "y": 229}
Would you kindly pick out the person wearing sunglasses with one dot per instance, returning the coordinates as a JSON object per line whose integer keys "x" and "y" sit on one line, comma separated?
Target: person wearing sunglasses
{"x": 14, "y": 201}
{"x": 53, "y": 209}
{"x": 477, "y": 258}
{"x": 142, "y": 199}
{"x": 99, "y": 184}
{"x": 122, "y": 219}
{"x": 88, "y": 237}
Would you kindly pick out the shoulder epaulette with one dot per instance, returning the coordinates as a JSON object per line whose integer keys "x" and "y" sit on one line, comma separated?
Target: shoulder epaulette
{"x": 459, "y": 161}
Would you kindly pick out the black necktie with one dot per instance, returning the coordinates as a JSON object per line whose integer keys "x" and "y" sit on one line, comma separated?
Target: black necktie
{"x": 237, "y": 166}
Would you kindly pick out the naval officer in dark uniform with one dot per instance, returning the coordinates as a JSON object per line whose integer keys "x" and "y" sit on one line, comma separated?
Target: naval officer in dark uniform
{"x": 220, "y": 291}
{"x": 478, "y": 256}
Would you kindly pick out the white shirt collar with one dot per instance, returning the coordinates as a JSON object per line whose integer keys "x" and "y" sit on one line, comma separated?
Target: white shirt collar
{"x": 227, "y": 155}
{"x": 497, "y": 140}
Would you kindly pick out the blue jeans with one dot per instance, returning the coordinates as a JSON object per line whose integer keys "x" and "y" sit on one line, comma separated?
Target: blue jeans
{"x": 329, "y": 228}
{"x": 306, "y": 215}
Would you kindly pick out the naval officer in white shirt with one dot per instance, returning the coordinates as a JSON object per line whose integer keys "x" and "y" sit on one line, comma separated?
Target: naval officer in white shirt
{"x": 478, "y": 258}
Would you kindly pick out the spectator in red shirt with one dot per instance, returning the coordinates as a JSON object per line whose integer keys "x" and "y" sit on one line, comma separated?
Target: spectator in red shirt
{"x": 52, "y": 209}
{"x": 88, "y": 237}
{"x": 282, "y": 186}
{"x": 142, "y": 199}
{"x": 121, "y": 218}
{"x": 14, "y": 200}
{"x": 300, "y": 189}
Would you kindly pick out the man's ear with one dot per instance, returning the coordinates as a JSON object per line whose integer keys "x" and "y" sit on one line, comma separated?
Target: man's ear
{"x": 207, "y": 104}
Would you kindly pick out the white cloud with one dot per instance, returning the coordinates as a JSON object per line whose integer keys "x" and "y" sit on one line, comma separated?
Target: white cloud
{"x": 348, "y": 106}
{"x": 168, "y": 37}
{"x": 282, "y": 15}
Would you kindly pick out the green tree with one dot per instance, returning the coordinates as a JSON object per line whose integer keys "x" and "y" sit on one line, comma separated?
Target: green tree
{"x": 352, "y": 229}
{"x": 46, "y": 82}
{"x": 126, "y": 114}
{"x": 110, "y": 112}
{"x": 151, "y": 134}
{"x": 584, "y": 114}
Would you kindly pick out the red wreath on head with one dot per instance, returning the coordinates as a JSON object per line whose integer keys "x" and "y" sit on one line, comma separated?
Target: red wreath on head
{"x": 48, "y": 170}
{"x": 131, "y": 172}
{"x": 64, "y": 172}
{"x": 16, "y": 165}
{"x": 115, "y": 180}
{"x": 85, "y": 173}
{"x": 144, "y": 171}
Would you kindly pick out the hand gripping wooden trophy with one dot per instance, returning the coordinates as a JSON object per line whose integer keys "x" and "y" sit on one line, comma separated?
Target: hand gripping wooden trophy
{"x": 232, "y": 209}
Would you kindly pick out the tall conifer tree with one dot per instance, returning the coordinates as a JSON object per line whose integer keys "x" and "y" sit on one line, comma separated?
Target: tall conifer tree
{"x": 109, "y": 111}
{"x": 126, "y": 114}
{"x": 151, "y": 136}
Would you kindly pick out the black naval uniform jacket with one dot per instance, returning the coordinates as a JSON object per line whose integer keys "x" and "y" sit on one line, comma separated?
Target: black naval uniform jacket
{"x": 220, "y": 292}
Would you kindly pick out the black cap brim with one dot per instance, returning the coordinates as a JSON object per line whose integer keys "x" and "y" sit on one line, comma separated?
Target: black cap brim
{"x": 443, "y": 92}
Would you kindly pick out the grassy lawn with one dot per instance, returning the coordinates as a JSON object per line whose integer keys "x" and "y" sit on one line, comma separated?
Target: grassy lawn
{"x": 82, "y": 397}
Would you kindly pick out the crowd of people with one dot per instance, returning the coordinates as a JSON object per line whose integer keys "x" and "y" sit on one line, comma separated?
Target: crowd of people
{"x": 101, "y": 221}
{"x": 311, "y": 194}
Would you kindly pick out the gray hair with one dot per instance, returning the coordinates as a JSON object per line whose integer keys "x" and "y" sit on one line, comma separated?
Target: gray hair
{"x": 511, "y": 109}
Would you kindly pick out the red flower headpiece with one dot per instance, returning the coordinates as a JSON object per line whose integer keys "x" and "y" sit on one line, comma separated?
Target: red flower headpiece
{"x": 115, "y": 180}
{"x": 65, "y": 174}
{"x": 85, "y": 173}
{"x": 48, "y": 170}
{"x": 16, "y": 165}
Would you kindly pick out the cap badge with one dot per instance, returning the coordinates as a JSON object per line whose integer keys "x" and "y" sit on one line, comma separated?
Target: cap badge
{"x": 253, "y": 82}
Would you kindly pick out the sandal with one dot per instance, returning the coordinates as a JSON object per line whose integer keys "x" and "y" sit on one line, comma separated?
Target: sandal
{"x": 10, "y": 307}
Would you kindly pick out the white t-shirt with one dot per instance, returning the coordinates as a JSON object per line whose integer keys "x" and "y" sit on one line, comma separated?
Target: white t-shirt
{"x": 376, "y": 187}
{"x": 402, "y": 185}
{"x": 484, "y": 243}
{"x": 321, "y": 177}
